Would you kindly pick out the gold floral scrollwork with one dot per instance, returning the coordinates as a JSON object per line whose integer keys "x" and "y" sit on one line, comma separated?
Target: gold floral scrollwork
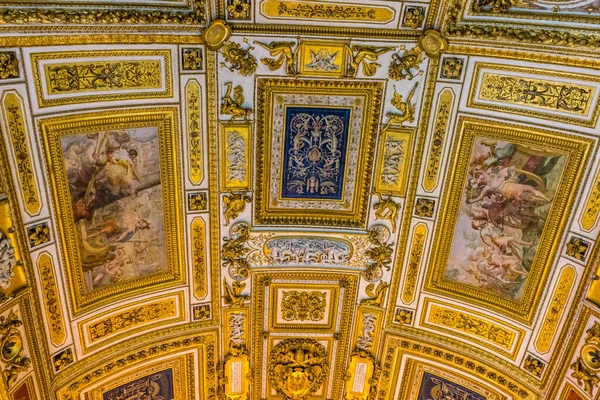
{"x": 194, "y": 123}
{"x": 233, "y": 103}
{"x": 13, "y": 358}
{"x": 592, "y": 208}
{"x": 9, "y": 65}
{"x": 62, "y": 15}
{"x": 586, "y": 367}
{"x": 237, "y": 59}
{"x": 471, "y": 325}
{"x": 537, "y": 93}
{"x": 298, "y": 367}
{"x": 493, "y": 6}
{"x": 235, "y": 250}
{"x": 401, "y": 67}
{"x": 303, "y": 306}
{"x": 379, "y": 255}
{"x": 406, "y": 108}
{"x": 284, "y": 53}
{"x": 235, "y": 203}
{"x": 414, "y": 263}
{"x": 51, "y": 299}
{"x": 555, "y": 310}
{"x": 198, "y": 238}
{"x": 437, "y": 141}
{"x": 15, "y": 121}
{"x": 376, "y": 295}
{"x": 387, "y": 209}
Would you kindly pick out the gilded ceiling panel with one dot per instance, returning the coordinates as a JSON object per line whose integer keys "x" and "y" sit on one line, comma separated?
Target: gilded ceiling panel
{"x": 115, "y": 179}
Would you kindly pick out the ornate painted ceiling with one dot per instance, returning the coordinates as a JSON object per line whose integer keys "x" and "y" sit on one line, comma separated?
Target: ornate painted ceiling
{"x": 282, "y": 199}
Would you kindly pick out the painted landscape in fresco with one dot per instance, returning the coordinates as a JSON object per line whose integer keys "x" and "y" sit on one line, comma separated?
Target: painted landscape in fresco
{"x": 114, "y": 183}
{"x": 505, "y": 203}
{"x": 436, "y": 388}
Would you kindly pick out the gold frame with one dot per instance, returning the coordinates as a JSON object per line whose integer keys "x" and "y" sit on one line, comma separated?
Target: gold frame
{"x": 134, "y": 329}
{"x": 274, "y": 300}
{"x": 90, "y": 95}
{"x": 590, "y": 117}
{"x": 260, "y": 284}
{"x": 577, "y": 150}
{"x": 226, "y": 127}
{"x": 510, "y": 352}
{"x": 400, "y": 189}
{"x": 166, "y": 119}
{"x": 306, "y": 46}
{"x": 413, "y": 379}
{"x": 183, "y": 381}
{"x": 356, "y": 217}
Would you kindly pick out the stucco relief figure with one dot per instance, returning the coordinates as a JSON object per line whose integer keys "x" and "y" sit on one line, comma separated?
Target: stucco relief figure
{"x": 307, "y": 251}
{"x": 508, "y": 194}
{"x": 114, "y": 182}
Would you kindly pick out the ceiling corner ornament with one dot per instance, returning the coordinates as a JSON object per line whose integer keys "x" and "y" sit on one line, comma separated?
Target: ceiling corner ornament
{"x": 402, "y": 65}
{"x": 233, "y": 103}
{"x": 216, "y": 34}
{"x": 237, "y": 59}
{"x": 376, "y": 295}
{"x": 9, "y": 65}
{"x": 12, "y": 355}
{"x": 234, "y": 251}
{"x": 407, "y": 110}
{"x": 233, "y": 294}
{"x": 298, "y": 368}
{"x": 379, "y": 255}
{"x": 432, "y": 43}
{"x": 586, "y": 367}
{"x": 99, "y": 16}
{"x": 235, "y": 203}
{"x": 387, "y": 209}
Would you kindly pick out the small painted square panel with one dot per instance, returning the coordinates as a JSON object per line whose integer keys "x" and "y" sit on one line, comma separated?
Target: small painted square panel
{"x": 315, "y": 152}
{"x": 155, "y": 386}
{"x": 435, "y": 387}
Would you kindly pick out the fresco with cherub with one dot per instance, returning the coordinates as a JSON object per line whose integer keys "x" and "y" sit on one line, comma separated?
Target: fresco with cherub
{"x": 115, "y": 188}
{"x": 506, "y": 199}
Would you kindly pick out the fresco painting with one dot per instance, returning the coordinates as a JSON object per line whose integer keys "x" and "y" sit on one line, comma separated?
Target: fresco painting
{"x": 436, "y": 388}
{"x": 315, "y": 152}
{"x": 115, "y": 187}
{"x": 508, "y": 194}
{"x": 158, "y": 386}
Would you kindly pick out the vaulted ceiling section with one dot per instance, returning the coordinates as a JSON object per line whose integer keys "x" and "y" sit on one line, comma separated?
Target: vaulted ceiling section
{"x": 284, "y": 199}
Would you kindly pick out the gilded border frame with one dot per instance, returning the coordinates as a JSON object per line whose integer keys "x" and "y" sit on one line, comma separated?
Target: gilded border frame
{"x": 577, "y": 150}
{"x": 413, "y": 378}
{"x": 260, "y": 284}
{"x": 357, "y": 217}
{"x": 166, "y": 119}
{"x": 535, "y": 112}
{"x": 90, "y": 96}
{"x": 134, "y": 329}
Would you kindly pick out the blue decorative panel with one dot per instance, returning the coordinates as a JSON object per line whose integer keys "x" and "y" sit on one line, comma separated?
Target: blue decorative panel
{"x": 158, "y": 386}
{"x": 316, "y": 140}
{"x": 434, "y": 387}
